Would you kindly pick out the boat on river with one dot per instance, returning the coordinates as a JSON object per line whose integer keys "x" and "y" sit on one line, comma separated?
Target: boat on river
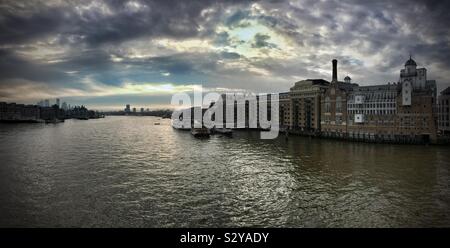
{"x": 223, "y": 131}
{"x": 200, "y": 132}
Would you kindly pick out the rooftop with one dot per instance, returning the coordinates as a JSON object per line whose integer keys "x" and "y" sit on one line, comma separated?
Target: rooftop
{"x": 446, "y": 91}
{"x": 410, "y": 62}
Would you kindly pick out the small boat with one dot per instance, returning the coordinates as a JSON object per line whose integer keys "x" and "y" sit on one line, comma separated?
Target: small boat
{"x": 200, "y": 132}
{"x": 53, "y": 121}
{"x": 156, "y": 123}
{"x": 224, "y": 131}
{"x": 179, "y": 126}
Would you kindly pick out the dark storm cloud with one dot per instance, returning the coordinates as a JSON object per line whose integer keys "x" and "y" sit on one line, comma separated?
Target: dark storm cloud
{"x": 228, "y": 55}
{"x": 222, "y": 39}
{"x": 157, "y": 18}
{"x": 12, "y": 66}
{"x": 66, "y": 42}
{"x": 92, "y": 23}
{"x": 22, "y": 22}
{"x": 108, "y": 21}
{"x": 236, "y": 19}
{"x": 261, "y": 41}
{"x": 390, "y": 28}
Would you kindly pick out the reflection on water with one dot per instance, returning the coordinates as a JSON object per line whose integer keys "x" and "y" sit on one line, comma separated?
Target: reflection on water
{"x": 127, "y": 172}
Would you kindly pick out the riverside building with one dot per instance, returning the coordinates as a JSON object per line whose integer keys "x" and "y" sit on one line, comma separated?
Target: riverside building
{"x": 401, "y": 112}
{"x": 444, "y": 112}
{"x": 301, "y": 106}
{"x": 19, "y": 112}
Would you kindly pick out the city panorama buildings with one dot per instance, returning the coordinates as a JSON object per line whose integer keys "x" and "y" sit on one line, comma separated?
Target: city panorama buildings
{"x": 401, "y": 112}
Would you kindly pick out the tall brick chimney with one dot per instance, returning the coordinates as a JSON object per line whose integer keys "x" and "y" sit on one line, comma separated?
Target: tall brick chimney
{"x": 334, "y": 79}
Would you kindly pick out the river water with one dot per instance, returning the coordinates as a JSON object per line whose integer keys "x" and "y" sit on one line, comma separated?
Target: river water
{"x": 128, "y": 172}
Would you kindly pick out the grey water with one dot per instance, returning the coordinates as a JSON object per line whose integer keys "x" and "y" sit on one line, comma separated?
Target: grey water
{"x": 128, "y": 172}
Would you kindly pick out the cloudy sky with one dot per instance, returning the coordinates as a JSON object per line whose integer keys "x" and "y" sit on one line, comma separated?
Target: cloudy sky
{"x": 105, "y": 54}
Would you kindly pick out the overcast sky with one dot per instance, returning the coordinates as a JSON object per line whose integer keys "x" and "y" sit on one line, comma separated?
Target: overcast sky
{"x": 105, "y": 54}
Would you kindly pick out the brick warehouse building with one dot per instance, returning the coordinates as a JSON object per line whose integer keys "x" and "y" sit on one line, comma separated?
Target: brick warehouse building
{"x": 444, "y": 112}
{"x": 403, "y": 112}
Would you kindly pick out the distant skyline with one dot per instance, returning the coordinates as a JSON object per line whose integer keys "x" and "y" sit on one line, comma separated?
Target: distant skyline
{"x": 105, "y": 54}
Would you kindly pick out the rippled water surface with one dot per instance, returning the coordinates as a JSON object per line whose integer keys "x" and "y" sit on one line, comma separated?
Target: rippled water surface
{"x": 128, "y": 172}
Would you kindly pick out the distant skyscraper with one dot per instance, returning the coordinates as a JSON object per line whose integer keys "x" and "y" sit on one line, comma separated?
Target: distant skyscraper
{"x": 58, "y": 102}
{"x": 46, "y": 103}
{"x": 142, "y": 110}
{"x": 64, "y": 106}
{"x": 127, "y": 108}
{"x": 134, "y": 110}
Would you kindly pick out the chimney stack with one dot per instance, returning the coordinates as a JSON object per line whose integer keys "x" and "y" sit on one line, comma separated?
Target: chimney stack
{"x": 334, "y": 79}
